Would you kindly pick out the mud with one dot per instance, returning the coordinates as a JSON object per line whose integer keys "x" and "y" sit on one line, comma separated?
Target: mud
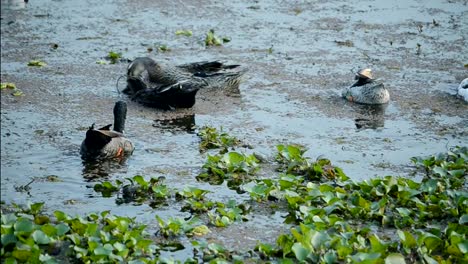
{"x": 300, "y": 54}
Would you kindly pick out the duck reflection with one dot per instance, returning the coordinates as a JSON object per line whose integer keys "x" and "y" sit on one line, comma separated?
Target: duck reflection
{"x": 98, "y": 169}
{"x": 183, "y": 123}
{"x": 369, "y": 116}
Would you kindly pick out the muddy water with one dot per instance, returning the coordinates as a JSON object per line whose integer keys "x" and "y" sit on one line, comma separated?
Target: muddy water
{"x": 300, "y": 54}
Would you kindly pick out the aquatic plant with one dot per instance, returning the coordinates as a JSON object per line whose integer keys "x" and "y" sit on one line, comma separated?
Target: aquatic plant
{"x": 31, "y": 237}
{"x": 114, "y": 57}
{"x": 187, "y": 33}
{"x": 213, "y": 40}
{"x": 333, "y": 219}
{"x": 36, "y": 63}
{"x": 211, "y": 138}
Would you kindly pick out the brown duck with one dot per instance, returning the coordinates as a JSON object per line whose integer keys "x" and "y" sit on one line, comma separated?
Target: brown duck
{"x": 167, "y": 86}
{"x": 105, "y": 143}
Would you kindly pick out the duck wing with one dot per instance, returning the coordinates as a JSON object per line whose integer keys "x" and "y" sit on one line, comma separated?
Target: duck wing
{"x": 206, "y": 66}
{"x": 179, "y": 95}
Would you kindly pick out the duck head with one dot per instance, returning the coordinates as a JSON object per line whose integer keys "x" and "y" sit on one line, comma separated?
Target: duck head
{"x": 120, "y": 115}
{"x": 363, "y": 76}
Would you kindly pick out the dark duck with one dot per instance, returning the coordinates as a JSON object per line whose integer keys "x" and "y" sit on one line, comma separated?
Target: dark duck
{"x": 166, "y": 86}
{"x": 104, "y": 143}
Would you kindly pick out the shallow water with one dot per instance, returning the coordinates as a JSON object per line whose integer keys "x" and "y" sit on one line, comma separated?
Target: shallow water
{"x": 300, "y": 55}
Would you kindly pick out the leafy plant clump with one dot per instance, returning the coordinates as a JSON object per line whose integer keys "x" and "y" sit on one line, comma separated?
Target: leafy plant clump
{"x": 233, "y": 166}
{"x": 12, "y": 86}
{"x": 30, "y": 237}
{"x": 212, "y": 40}
{"x": 292, "y": 161}
{"x": 36, "y": 63}
{"x": 212, "y": 139}
{"x": 346, "y": 221}
{"x": 138, "y": 191}
{"x": 187, "y": 33}
{"x": 114, "y": 57}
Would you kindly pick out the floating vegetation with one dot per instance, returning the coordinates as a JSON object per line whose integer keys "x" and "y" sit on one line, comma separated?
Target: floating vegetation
{"x": 187, "y": 33}
{"x": 212, "y": 139}
{"x": 12, "y": 86}
{"x": 163, "y": 48}
{"x": 36, "y": 63}
{"x": 114, "y": 57}
{"x": 333, "y": 219}
{"x": 212, "y": 40}
{"x": 7, "y": 86}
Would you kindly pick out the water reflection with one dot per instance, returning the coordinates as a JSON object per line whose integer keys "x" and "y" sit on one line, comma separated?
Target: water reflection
{"x": 14, "y": 4}
{"x": 184, "y": 123}
{"x": 369, "y": 116}
{"x": 98, "y": 169}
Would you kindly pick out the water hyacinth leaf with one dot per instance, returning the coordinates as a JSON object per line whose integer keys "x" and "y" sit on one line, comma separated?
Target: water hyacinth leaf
{"x": 457, "y": 173}
{"x": 200, "y": 230}
{"x": 23, "y": 225}
{"x": 40, "y": 237}
{"x": 8, "y": 239}
{"x": 438, "y": 170}
{"x": 330, "y": 257}
{"x": 105, "y": 250}
{"x": 377, "y": 245}
{"x": 463, "y": 219}
{"x": 319, "y": 238}
{"x": 62, "y": 229}
{"x": 395, "y": 258}
{"x": 407, "y": 239}
{"x": 463, "y": 247}
{"x": 367, "y": 258}
{"x": 21, "y": 254}
{"x": 300, "y": 251}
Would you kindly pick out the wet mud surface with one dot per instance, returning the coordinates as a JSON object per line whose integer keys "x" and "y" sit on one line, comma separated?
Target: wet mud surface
{"x": 300, "y": 54}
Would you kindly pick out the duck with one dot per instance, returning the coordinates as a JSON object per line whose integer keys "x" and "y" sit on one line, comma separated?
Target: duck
{"x": 104, "y": 143}
{"x": 463, "y": 90}
{"x": 167, "y": 86}
{"x": 366, "y": 89}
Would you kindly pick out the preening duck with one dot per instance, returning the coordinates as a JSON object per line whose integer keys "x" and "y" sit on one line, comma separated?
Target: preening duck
{"x": 366, "y": 90}
{"x": 167, "y": 86}
{"x": 105, "y": 143}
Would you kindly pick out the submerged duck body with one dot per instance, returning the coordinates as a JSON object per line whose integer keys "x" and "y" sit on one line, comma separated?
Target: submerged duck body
{"x": 463, "y": 90}
{"x": 366, "y": 90}
{"x": 169, "y": 86}
{"x": 104, "y": 143}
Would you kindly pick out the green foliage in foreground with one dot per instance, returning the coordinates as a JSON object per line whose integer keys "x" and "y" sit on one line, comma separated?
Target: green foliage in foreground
{"x": 333, "y": 219}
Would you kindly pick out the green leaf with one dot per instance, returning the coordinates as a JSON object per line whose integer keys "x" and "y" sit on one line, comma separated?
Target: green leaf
{"x": 7, "y": 86}
{"x": 395, "y": 258}
{"x": 463, "y": 247}
{"x": 21, "y": 254}
{"x": 463, "y": 219}
{"x": 8, "y": 239}
{"x": 187, "y": 33}
{"x": 105, "y": 250}
{"x": 407, "y": 239}
{"x": 23, "y": 225}
{"x": 40, "y": 237}
{"x": 62, "y": 229}
{"x": 300, "y": 252}
{"x": 36, "y": 63}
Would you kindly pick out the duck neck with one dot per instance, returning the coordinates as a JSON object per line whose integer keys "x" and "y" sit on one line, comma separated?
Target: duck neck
{"x": 362, "y": 81}
{"x": 120, "y": 114}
